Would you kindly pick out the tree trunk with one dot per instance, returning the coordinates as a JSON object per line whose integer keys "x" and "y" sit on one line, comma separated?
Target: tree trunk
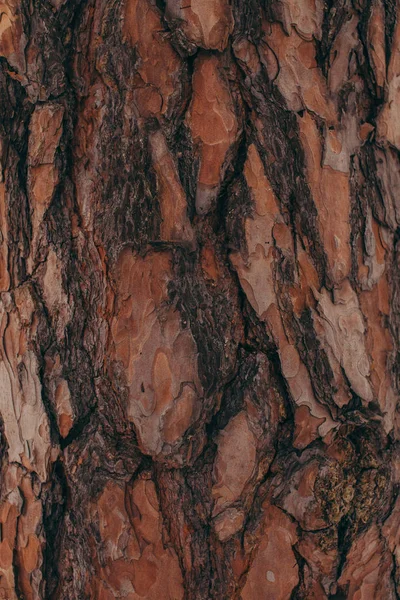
{"x": 200, "y": 299}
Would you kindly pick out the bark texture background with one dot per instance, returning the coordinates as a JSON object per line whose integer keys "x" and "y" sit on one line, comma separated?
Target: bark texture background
{"x": 200, "y": 299}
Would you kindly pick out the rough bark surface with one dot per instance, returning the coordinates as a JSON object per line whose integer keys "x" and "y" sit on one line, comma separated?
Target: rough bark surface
{"x": 200, "y": 299}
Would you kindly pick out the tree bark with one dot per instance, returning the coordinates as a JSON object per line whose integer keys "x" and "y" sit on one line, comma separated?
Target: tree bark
{"x": 200, "y": 299}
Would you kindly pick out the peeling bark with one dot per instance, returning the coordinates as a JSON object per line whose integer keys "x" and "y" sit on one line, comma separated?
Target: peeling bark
{"x": 199, "y": 299}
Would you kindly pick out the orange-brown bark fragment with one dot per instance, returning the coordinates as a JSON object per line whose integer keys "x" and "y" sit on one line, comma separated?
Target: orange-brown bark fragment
{"x": 212, "y": 120}
{"x": 86, "y": 163}
{"x": 45, "y": 133}
{"x": 367, "y": 571}
{"x": 274, "y": 571}
{"x": 298, "y": 77}
{"x": 376, "y": 38}
{"x": 160, "y": 362}
{"x": 159, "y": 64}
{"x": 388, "y": 121}
{"x": 306, "y": 427}
{"x": 375, "y": 307}
{"x": 342, "y": 336}
{"x": 235, "y": 462}
{"x": 9, "y": 513}
{"x": 205, "y": 23}
{"x": 175, "y": 225}
{"x": 29, "y": 544}
{"x": 138, "y": 562}
{"x": 21, "y": 406}
{"x": 331, "y": 195}
{"x": 22, "y": 536}
{"x": 305, "y": 16}
{"x": 12, "y": 37}
{"x": 256, "y": 271}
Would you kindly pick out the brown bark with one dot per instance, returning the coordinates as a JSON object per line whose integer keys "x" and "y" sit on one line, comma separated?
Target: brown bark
{"x": 200, "y": 299}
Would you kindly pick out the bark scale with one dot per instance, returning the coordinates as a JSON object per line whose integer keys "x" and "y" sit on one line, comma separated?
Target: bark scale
{"x": 200, "y": 299}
